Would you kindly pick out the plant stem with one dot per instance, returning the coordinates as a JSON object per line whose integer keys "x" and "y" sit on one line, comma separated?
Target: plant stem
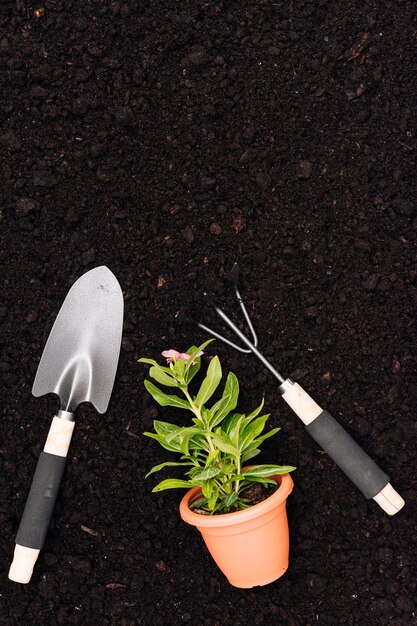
{"x": 197, "y": 413}
{"x": 194, "y": 407}
{"x": 238, "y": 471}
{"x": 221, "y": 487}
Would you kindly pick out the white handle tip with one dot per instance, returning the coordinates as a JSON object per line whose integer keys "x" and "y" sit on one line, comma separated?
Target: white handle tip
{"x": 389, "y": 500}
{"x": 24, "y": 560}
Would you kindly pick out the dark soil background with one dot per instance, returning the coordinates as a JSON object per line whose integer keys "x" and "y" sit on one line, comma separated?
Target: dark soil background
{"x": 167, "y": 139}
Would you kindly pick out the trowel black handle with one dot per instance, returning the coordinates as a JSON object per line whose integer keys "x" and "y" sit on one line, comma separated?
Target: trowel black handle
{"x": 372, "y": 481}
{"x": 41, "y": 500}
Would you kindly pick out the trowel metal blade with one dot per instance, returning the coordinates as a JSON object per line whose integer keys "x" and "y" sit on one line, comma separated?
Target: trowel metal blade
{"x": 79, "y": 361}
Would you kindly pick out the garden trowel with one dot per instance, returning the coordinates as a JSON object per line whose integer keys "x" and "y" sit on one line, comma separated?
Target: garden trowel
{"x": 78, "y": 364}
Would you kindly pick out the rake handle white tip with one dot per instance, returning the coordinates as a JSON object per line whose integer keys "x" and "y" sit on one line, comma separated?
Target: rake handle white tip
{"x": 389, "y": 500}
{"x": 24, "y": 560}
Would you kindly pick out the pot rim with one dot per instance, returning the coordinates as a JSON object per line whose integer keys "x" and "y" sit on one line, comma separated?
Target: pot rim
{"x": 286, "y": 485}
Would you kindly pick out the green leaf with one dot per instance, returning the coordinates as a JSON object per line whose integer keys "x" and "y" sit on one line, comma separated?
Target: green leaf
{"x": 257, "y": 410}
{"x": 172, "y": 447}
{"x": 254, "y": 479}
{"x": 167, "y": 435}
{"x": 199, "y": 503}
{"x": 206, "y": 415}
{"x": 256, "y": 427}
{"x": 181, "y": 432}
{"x": 194, "y": 367}
{"x": 221, "y": 443}
{"x": 177, "y": 369}
{"x": 173, "y": 483}
{"x": 230, "y": 422}
{"x": 199, "y": 444}
{"x": 230, "y": 499}
{"x": 155, "y": 364}
{"x": 149, "y": 361}
{"x": 248, "y": 421}
{"x": 270, "y": 433}
{"x": 183, "y": 436}
{"x": 185, "y": 443}
{"x": 161, "y": 377}
{"x": 207, "y": 488}
{"x": 212, "y": 456}
{"x": 266, "y": 471}
{"x": 234, "y": 435}
{"x": 210, "y": 383}
{"x": 206, "y": 473}
{"x": 157, "y": 468}
{"x": 249, "y": 453}
{"x": 229, "y": 468}
{"x": 193, "y": 351}
{"x": 213, "y": 499}
{"x": 164, "y": 428}
{"x": 227, "y": 402}
{"x": 164, "y": 399}
{"x": 252, "y": 431}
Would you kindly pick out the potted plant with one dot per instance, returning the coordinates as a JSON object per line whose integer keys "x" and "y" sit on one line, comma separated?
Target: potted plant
{"x": 239, "y": 509}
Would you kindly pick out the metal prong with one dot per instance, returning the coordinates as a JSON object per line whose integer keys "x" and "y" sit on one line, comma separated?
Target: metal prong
{"x": 187, "y": 320}
{"x": 224, "y": 339}
{"x": 235, "y": 274}
{"x": 251, "y": 347}
{"x": 211, "y": 302}
{"x": 244, "y": 339}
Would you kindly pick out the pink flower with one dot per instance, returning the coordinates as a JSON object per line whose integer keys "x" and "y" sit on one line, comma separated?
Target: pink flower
{"x": 173, "y": 355}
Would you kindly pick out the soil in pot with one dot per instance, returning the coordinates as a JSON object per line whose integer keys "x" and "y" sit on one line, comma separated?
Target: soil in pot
{"x": 255, "y": 494}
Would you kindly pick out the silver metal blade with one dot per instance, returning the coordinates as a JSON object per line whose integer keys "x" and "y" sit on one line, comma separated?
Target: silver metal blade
{"x": 79, "y": 361}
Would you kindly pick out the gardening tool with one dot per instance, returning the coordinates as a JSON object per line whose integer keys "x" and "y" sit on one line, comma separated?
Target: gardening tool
{"x": 78, "y": 364}
{"x": 328, "y": 433}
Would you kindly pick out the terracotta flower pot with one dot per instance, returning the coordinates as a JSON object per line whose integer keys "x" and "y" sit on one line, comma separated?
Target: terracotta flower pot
{"x": 251, "y": 546}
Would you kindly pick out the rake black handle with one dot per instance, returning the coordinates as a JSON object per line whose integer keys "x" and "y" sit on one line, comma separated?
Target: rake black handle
{"x": 348, "y": 455}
